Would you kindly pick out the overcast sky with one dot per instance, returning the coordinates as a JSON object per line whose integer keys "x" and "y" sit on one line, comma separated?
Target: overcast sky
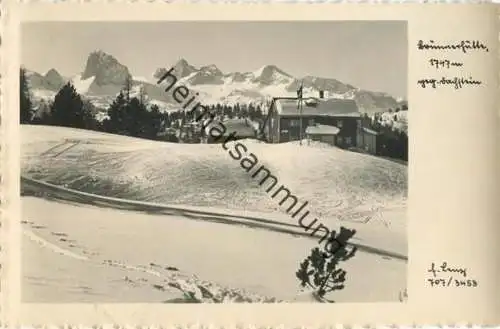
{"x": 368, "y": 55}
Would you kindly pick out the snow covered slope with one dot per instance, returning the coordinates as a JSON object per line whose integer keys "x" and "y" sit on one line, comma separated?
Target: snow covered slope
{"x": 101, "y": 247}
{"x": 341, "y": 186}
{"x": 82, "y": 253}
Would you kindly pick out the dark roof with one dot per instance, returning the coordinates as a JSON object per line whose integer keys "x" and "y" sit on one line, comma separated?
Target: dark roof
{"x": 241, "y": 126}
{"x": 317, "y": 106}
{"x": 322, "y": 130}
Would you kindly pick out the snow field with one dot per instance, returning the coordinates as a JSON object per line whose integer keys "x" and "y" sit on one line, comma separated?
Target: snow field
{"x": 343, "y": 188}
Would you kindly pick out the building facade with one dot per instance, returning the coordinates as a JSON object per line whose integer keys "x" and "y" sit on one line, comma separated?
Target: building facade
{"x": 322, "y": 133}
{"x": 287, "y": 120}
{"x": 368, "y": 140}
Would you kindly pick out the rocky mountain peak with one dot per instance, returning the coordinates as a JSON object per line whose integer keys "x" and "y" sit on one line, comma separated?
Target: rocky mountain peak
{"x": 105, "y": 68}
{"x": 109, "y": 76}
{"x": 52, "y": 73}
{"x": 329, "y": 84}
{"x": 182, "y": 63}
{"x": 181, "y": 69}
{"x": 269, "y": 74}
{"x": 239, "y": 77}
{"x": 211, "y": 69}
{"x": 53, "y": 79}
{"x": 209, "y": 74}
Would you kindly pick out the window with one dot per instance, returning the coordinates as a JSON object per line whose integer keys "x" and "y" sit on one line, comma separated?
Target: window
{"x": 339, "y": 123}
{"x": 348, "y": 140}
{"x": 311, "y": 122}
{"x": 339, "y": 140}
{"x": 294, "y": 123}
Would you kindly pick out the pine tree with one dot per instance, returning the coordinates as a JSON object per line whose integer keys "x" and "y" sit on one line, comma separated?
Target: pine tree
{"x": 219, "y": 110}
{"x": 42, "y": 115}
{"x": 156, "y": 122}
{"x": 116, "y": 113}
{"x": 137, "y": 119}
{"x": 25, "y": 103}
{"x": 88, "y": 115}
{"x": 228, "y": 111}
{"x": 320, "y": 270}
{"x": 143, "y": 95}
{"x": 237, "y": 109}
{"x": 166, "y": 118}
{"x": 127, "y": 88}
{"x": 249, "y": 110}
{"x": 68, "y": 108}
{"x": 257, "y": 113}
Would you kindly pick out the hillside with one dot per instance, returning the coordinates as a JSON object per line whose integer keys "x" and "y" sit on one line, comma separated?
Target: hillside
{"x": 340, "y": 186}
{"x": 84, "y": 250}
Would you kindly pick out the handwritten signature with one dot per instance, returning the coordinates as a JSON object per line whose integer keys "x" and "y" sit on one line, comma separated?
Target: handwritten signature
{"x": 445, "y": 268}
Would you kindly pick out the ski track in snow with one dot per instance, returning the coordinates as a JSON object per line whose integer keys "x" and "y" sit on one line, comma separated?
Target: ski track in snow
{"x": 191, "y": 286}
{"x": 45, "y": 244}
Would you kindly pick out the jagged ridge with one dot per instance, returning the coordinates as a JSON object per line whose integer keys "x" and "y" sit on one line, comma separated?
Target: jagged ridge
{"x": 104, "y": 76}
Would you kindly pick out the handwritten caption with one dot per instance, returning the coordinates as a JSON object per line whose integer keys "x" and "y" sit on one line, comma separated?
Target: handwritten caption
{"x": 466, "y": 47}
{"x": 444, "y": 275}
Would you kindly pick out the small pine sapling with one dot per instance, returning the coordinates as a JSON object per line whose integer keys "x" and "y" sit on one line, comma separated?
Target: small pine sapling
{"x": 320, "y": 271}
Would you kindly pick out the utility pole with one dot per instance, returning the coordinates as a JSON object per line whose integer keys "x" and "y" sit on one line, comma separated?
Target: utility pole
{"x": 299, "y": 106}
{"x": 300, "y": 118}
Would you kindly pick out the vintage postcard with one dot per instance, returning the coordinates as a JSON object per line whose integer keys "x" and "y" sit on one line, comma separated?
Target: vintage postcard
{"x": 249, "y": 164}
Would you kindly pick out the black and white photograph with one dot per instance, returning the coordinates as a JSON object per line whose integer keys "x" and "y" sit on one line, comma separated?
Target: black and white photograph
{"x": 214, "y": 161}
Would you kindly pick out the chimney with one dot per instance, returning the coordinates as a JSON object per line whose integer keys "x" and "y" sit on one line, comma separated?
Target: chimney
{"x": 321, "y": 94}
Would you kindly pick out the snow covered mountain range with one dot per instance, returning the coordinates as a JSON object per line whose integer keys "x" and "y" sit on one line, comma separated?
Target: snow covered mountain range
{"x": 104, "y": 76}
